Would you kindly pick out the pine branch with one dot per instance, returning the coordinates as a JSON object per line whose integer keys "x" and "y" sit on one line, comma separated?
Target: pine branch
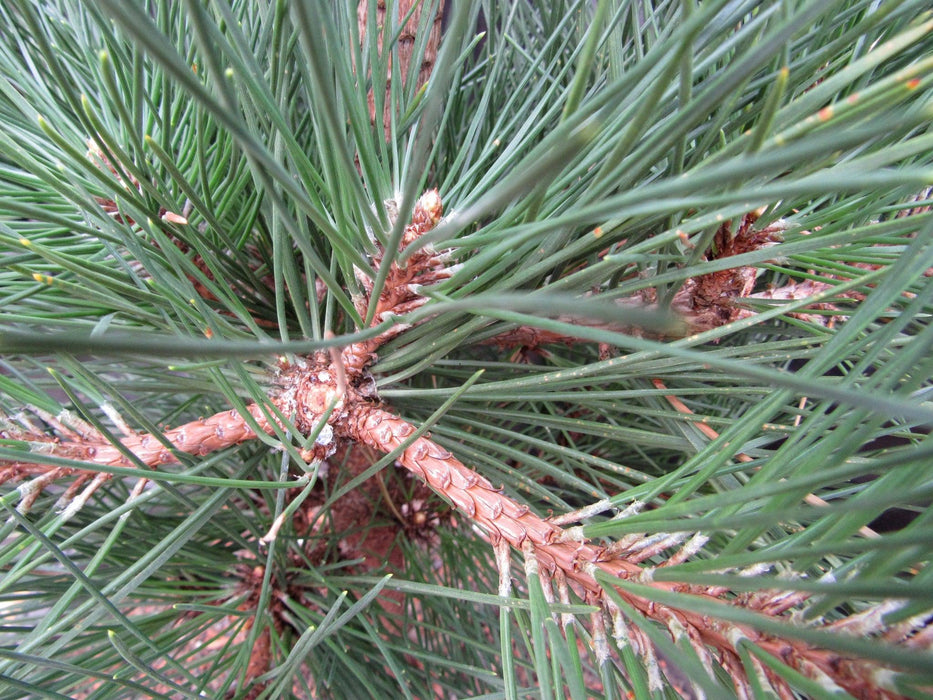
{"x": 702, "y": 303}
{"x": 405, "y": 45}
{"x": 200, "y": 437}
{"x": 307, "y": 388}
{"x": 565, "y": 553}
{"x": 332, "y": 385}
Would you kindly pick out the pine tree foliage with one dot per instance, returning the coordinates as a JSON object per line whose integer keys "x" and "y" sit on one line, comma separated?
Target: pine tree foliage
{"x": 584, "y": 353}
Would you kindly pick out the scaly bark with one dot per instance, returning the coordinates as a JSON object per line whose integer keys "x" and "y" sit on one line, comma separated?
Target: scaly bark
{"x": 564, "y": 551}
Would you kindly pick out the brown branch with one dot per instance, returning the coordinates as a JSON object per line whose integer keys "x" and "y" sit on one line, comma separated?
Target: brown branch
{"x": 565, "y": 551}
{"x": 405, "y": 45}
{"x": 309, "y": 387}
{"x": 200, "y": 437}
{"x": 701, "y": 304}
{"x": 712, "y": 300}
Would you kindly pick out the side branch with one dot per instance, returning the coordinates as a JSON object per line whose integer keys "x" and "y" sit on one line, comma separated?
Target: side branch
{"x": 564, "y": 554}
{"x": 200, "y": 437}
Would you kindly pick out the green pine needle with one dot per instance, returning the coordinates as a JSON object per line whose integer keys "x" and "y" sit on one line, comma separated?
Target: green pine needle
{"x": 193, "y": 194}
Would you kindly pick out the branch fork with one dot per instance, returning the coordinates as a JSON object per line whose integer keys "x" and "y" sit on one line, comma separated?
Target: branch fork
{"x": 335, "y": 385}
